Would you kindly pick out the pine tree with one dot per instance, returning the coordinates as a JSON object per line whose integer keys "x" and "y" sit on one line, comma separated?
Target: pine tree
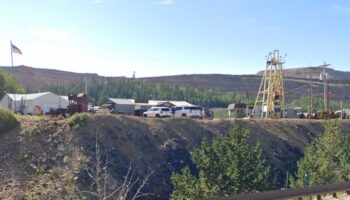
{"x": 227, "y": 166}
{"x": 326, "y": 160}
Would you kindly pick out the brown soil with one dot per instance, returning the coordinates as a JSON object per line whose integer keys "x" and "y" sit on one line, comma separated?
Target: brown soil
{"x": 45, "y": 159}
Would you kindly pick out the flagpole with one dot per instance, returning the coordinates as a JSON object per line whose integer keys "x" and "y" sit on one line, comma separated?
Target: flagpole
{"x": 13, "y": 76}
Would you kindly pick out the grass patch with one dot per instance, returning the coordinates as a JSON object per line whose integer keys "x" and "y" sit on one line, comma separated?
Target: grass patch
{"x": 78, "y": 119}
{"x": 220, "y": 112}
{"x": 8, "y": 120}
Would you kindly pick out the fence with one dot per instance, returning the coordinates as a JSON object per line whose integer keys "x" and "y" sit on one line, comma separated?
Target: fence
{"x": 295, "y": 193}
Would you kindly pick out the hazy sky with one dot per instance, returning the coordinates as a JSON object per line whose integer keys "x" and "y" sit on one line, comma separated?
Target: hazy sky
{"x": 164, "y": 37}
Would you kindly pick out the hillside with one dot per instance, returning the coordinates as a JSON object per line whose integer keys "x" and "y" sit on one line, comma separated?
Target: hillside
{"x": 45, "y": 159}
{"x": 304, "y": 72}
{"x": 296, "y": 86}
{"x": 35, "y": 79}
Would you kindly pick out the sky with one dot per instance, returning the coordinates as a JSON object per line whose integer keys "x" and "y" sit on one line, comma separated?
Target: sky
{"x": 168, "y": 37}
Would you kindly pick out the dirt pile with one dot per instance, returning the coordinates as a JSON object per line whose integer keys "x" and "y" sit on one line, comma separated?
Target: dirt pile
{"x": 46, "y": 159}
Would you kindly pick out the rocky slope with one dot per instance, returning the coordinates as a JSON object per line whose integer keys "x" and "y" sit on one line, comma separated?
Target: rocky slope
{"x": 45, "y": 158}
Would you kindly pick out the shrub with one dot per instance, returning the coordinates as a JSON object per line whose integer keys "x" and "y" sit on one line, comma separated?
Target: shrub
{"x": 78, "y": 119}
{"x": 8, "y": 120}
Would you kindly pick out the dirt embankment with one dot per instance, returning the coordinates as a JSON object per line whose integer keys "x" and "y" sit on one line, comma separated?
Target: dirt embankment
{"x": 44, "y": 158}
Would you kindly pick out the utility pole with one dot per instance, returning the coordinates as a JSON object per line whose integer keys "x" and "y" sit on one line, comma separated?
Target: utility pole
{"x": 324, "y": 77}
{"x": 310, "y": 95}
{"x": 134, "y": 75}
{"x": 86, "y": 85}
{"x": 341, "y": 108}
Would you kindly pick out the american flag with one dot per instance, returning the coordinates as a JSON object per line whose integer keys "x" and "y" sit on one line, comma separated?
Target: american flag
{"x": 15, "y": 49}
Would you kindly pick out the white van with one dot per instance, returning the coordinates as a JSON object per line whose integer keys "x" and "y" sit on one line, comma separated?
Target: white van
{"x": 188, "y": 111}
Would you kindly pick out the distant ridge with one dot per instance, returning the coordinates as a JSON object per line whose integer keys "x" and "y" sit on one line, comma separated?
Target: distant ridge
{"x": 34, "y": 79}
{"x": 303, "y": 72}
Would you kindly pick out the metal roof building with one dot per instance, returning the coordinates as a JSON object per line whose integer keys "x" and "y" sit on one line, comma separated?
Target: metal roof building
{"x": 168, "y": 103}
{"x": 122, "y": 106}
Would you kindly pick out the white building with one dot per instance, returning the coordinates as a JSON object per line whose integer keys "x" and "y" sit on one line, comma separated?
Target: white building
{"x": 27, "y": 103}
{"x": 167, "y": 103}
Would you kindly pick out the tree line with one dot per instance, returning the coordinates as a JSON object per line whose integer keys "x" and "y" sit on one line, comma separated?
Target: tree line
{"x": 142, "y": 91}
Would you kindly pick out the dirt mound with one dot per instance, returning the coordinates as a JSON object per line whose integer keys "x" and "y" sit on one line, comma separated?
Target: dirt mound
{"x": 47, "y": 159}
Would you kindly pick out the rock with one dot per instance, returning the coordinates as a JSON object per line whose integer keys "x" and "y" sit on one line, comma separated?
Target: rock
{"x": 33, "y": 166}
{"x": 42, "y": 160}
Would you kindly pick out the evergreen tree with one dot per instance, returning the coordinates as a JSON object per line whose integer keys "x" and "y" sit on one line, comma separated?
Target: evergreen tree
{"x": 227, "y": 166}
{"x": 9, "y": 84}
{"x": 326, "y": 160}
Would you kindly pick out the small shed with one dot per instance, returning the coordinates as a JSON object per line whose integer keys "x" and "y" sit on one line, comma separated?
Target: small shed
{"x": 237, "y": 110}
{"x": 33, "y": 103}
{"x": 120, "y": 106}
{"x": 249, "y": 110}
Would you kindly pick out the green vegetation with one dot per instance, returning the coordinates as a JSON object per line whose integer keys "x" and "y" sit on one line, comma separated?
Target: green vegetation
{"x": 66, "y": 159}
{"x": 220, "y": 112}
{"x": 326, "y": 160}
{"x": 317, "y": 103}
{"x": 227, "y": 166}
{"x": 7, "y": 120}
{"x": 143, "y": 91}
{"x": 9, "y": 84}
{"x": 78, "y": 119}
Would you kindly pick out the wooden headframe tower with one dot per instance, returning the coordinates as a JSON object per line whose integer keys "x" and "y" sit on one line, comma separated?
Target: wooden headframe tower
{"x": 269, "y": 101}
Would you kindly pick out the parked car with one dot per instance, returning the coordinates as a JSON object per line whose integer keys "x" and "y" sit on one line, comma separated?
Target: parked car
{"x": 157, "y": 112}
{"x": 188, "y": 111}
{"x": 94, "y": 109}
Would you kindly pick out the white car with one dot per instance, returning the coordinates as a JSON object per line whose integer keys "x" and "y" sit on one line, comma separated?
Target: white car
{"x": 157, "y": 112}
{"x": 188, "y": 111}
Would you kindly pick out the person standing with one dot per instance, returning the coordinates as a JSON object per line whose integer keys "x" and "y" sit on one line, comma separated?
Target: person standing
{"x": 173, "y": 111}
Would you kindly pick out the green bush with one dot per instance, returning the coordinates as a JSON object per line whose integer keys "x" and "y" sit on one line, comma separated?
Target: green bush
{"x": 7, "y": 120}
{"x": 78, "y": 119}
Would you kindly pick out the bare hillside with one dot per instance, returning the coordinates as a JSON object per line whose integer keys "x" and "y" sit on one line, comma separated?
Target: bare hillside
{"x": 44, "y": 158}
{"x": 314, "y": 73}
{"x": 296, "y": 85}
{"x": 34, "y": 79}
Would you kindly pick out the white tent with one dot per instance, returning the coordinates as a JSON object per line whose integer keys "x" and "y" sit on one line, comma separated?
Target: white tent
{"x": 26, "y": 103}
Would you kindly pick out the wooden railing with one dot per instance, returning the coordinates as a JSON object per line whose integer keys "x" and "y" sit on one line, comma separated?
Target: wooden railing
{"x": 296, "y": 193}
